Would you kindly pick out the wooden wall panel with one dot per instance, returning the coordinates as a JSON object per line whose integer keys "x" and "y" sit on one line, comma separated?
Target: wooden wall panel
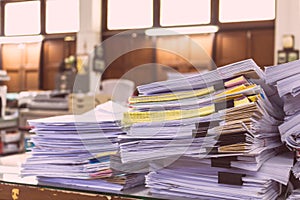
{"x": 262, "y": 47}
{"x": 201, "y": 51}
{"x": 33, "y": 55}
{"x": 14, "y": 84}
{"x": 179, "y": 53}
{"x": 182, "y": 54}
{"x": 231, "y": 47}
{"x": 22, "y": 61}
{"x": 30, "y": 80}
{"x": 128, "y": 56}
{"x": 11, "y": 55}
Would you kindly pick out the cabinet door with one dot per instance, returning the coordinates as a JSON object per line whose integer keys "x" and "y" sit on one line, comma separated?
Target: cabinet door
{"x": 231, "y": 46}
{"x": 22, "y": 61}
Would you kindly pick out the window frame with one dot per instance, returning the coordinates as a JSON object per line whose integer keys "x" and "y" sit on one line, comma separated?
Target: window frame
{"x": 185, "y": 25}
{"x": 45, "y": 16}
{"x": 42, "y": 20}
{"x": 243, "y": 21}
{"x": 4, "y": 11}
{"x": 245, "y": 25}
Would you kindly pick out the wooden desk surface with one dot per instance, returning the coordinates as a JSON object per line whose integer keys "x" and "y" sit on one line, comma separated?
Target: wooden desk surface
{"x": 13, "y": 191}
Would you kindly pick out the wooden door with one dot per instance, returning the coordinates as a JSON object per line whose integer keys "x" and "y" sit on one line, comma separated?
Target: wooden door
{"x": 54, "y": 53}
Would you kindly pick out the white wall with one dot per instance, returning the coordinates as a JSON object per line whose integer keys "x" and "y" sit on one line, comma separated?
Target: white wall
{"x": 287, "y": 22}
{"x": 88, "y": 36}
{"x": 90, "y": 25}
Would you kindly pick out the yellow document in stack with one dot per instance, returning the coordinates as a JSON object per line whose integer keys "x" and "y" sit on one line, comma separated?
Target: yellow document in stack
{"x": 236, "y": 90}
{"x": 152, "y": 116}
{"x": 171, "y": 96}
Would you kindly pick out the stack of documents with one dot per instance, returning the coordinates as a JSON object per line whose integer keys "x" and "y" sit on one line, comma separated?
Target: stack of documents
{"x": 209, "y": 135}
{"x": 287, "y": 79}
{"x": 195, "y": 178}
{"x": 225, "y": 111}
{"x": 71, "y": 150}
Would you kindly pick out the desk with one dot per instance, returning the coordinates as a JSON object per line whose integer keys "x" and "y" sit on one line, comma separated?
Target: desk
{"x": 17, "y": 191}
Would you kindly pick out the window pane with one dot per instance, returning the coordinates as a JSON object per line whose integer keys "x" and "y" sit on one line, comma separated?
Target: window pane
{"x": 22, "y": 18}
{"x": 62, "y": 16}
{"x": 246, "y": 10}
{"x": 184, "y": 12}
{"x": 129, "y": 14}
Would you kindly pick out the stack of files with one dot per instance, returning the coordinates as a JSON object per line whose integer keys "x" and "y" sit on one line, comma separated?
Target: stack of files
{"x": 286, "y": 78}
{"x": 74, "y": 150}
{"x": 209, "y": 78}
{"x": 225, "y": 111}
{"x": 189, "y": 178}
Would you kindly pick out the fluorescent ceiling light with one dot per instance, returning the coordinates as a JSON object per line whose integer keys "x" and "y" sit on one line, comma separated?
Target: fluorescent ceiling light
{"x": 181, "y": 30}
{"x": 21, "y": 39}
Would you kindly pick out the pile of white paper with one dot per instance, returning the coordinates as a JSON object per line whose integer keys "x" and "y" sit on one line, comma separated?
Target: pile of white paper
{"x": 287, "y": 79}
{"x": 193, "y": 178}
{"x": 222, "y": 111}
{"x": 228, "y": 116}
{"x": 71, "y": 150}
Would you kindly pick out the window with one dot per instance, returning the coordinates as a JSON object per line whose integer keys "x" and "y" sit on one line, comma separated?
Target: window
{"x": 188, "y": 12}
{"x": 62, "y": 16}
{"x": 246, "y": 10}
{"x": 22, "y": 18}
{"x": 120, "y": 15}
{"x": 129, "y": 14}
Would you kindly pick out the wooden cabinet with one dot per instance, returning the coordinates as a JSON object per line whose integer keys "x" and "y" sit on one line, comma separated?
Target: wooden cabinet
{"x": 22, "y": 61}
{"x": 233, "y": 46}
